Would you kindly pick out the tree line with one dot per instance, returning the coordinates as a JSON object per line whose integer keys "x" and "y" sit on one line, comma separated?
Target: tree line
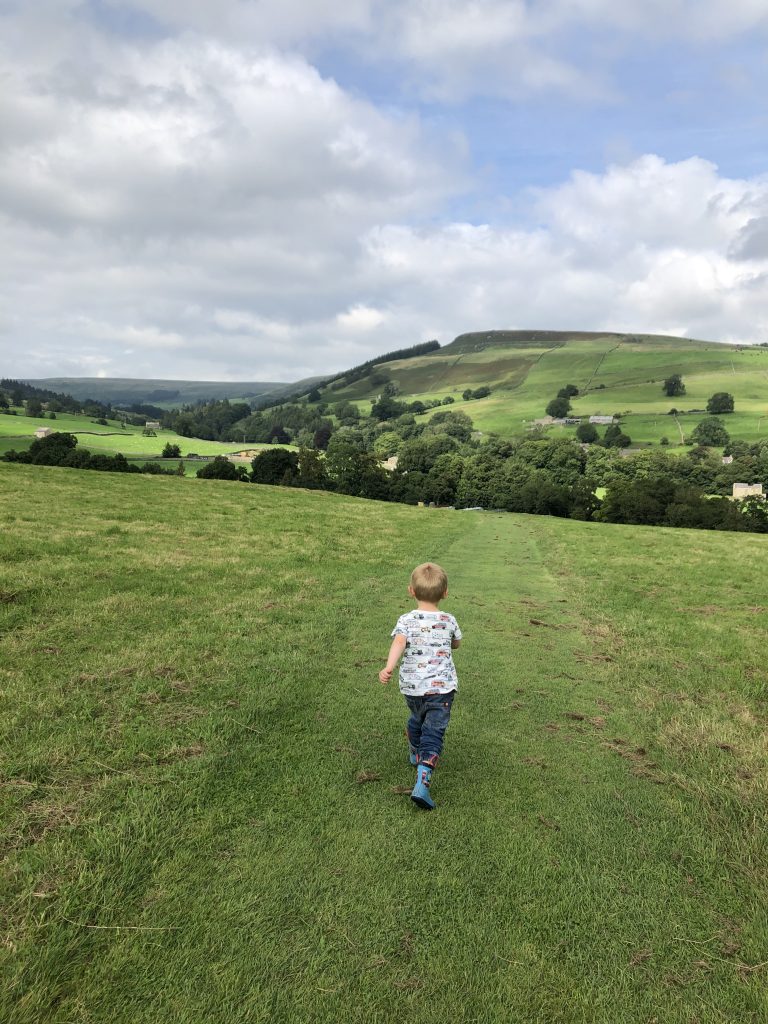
{"x": 539, "y": 476}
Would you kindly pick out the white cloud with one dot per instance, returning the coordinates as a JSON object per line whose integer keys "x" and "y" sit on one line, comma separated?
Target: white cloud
{"x": 451, "y": 49}
{"x": 213, "y": 207}
{"x": 361, "y": 319}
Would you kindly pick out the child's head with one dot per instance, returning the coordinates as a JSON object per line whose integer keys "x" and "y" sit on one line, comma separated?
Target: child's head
{"x": 429, "y": 583}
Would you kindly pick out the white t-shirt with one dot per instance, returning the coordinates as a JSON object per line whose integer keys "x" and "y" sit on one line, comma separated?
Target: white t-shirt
{"x": 427, "y": 665}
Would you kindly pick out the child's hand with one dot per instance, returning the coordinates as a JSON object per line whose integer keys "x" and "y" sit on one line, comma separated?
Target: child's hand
{"x": 385, "y": 675}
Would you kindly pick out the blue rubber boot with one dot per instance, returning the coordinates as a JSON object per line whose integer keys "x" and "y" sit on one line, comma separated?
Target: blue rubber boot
{"x": 420, "y": 794}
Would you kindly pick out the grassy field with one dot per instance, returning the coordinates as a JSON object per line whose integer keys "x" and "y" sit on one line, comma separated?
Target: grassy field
{"x": 18, "y": 432}
{"x": 613, "y": 373}
{"x": 201, "y": 777}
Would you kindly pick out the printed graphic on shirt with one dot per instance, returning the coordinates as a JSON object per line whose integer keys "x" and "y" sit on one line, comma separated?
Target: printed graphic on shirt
{"x": 427, "y": 665}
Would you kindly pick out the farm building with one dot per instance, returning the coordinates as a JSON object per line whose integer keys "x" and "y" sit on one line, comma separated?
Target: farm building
{"x": 43, "y": 432}
{"x": 151, "y": 425}
{"x": 747, "y": 491}
{"x": 605, "y": 420}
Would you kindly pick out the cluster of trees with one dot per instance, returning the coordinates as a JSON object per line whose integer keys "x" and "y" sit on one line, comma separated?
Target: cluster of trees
{"x": 560, "y": 406}
{"x": 365, "y": 369}
{"x": 60, "y": 449}
{"x": 481, "y": 392}
{"x": 39, "y": 401}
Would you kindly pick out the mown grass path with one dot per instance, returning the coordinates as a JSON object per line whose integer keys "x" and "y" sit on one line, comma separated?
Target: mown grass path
{"x": 199, "y": 767}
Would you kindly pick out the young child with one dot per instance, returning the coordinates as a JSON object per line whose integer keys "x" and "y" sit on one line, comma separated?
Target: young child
{"x": 426, "y": 637}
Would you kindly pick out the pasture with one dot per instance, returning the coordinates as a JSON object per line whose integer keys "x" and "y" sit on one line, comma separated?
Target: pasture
{"x": 202, "y": 779}
{"x": 18, "y": 432}
{"x": 613, "y": 374}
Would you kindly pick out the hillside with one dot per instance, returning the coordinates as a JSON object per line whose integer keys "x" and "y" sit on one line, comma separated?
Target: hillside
{"x": 201, "y": 777}
{"x": 613, "y": 372}
{"x": 164, "y": 394}
{"x": 17, "y": 432}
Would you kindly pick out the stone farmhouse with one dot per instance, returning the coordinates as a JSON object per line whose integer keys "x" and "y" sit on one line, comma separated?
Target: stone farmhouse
{"x": 747, "y": 491}
{"x": 43, "y": 432}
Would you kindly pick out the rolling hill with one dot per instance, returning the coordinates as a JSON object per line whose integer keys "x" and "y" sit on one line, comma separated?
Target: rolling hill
{"x": 615, "y": 373}
{"x": 164, "y": 394}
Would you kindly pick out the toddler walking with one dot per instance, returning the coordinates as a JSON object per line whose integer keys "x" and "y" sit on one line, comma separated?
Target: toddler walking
{"x": 425, "y": 638}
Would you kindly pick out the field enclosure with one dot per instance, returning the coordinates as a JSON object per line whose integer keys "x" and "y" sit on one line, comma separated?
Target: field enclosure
{"x": 200, "y": 774}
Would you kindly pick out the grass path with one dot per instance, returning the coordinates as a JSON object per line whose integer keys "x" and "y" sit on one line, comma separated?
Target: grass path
{"x": 190, "y": 710}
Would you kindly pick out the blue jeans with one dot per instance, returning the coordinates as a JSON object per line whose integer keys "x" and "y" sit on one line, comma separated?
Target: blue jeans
{"x": 426, "y": 727}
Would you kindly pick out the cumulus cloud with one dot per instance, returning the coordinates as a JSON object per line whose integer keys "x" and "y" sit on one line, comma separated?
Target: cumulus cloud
{"x": 207, "y": 206}
{"x": 457, "y": 48}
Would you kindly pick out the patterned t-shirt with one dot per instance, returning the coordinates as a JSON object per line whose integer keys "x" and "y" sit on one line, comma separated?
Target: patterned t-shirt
{"x": 427, "y": 665}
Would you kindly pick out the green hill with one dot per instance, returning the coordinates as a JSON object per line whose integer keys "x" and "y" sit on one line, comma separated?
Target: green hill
{"x": 614, "y": 373}
{"x": 202, "y": 780}
{"x": 164, "y": 394}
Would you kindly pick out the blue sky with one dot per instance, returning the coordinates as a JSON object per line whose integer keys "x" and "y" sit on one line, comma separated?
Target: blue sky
{"x": 270, "y": 189}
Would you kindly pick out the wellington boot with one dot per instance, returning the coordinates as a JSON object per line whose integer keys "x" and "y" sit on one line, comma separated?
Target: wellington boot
{"x": 420, "y": 794}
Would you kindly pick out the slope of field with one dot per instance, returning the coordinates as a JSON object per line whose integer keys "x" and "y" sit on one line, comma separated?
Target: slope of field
{"x": 614, "y": 374}
{"x": 18, "y": 432}
{"x": 201, "y": 776}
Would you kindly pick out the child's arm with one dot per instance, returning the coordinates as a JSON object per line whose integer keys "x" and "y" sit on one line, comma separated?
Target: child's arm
{"x": 397, "y": 648}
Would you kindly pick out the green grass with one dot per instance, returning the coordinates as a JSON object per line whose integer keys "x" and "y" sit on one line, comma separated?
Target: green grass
{"x": 18, "y": 431}
{"x": 190, "y": 696}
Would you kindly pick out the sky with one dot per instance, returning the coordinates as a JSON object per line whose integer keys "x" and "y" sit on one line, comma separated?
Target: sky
{"x": 265, "y": 190}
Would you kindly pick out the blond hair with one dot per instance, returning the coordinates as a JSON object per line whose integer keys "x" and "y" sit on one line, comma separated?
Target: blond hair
{"x": 429, "y": 582}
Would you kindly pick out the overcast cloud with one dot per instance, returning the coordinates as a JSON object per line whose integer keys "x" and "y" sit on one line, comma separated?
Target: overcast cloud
{"x": 270, "y": 190}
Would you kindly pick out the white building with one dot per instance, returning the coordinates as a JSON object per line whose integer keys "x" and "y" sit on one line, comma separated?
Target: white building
{"x": 747, "y": 490}
{"x": 43, "y": 432}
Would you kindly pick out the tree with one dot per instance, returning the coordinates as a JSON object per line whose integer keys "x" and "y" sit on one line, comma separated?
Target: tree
{"x": 448, "y": 400}
{"x": 710, "y": 432}
{"x": 171, "y": 451}
{"x": 33, "y": 407}
{"x": 615, "y": 437}
{"x": 720, "y": 402}
{"x": 222, "y": 469}
{"x": 387, "y": 444}
{"x": 322, "y": 436}
{"x": 587, "y": 433}
{"x": 387, "y": 407}
{"x": 569, "y": 391}
{"x": 346, "y": 412}
{"x": 558, "y": 408}
{"x": 456, "y": 424}
{"x": 421, "y": 453}
{"x": 673, "y": 386}
{"x": 311, "y": 473}
{"x": 275, "y": 466}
